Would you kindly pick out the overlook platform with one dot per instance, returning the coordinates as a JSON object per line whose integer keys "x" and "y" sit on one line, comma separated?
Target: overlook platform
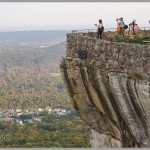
{"x": 144, "y": 32}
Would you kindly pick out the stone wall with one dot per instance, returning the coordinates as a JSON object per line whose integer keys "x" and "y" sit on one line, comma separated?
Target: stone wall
{"x": 130, "y": 58}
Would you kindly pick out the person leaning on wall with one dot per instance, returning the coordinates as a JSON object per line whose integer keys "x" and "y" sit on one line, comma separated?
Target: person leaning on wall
{"x": 100, "y": 29}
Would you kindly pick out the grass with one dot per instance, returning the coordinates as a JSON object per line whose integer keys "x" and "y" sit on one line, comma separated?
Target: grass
{"x": 128, "y": 39}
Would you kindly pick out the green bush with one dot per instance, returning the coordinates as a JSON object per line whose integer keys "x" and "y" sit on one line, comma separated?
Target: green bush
{"x": 128, "y": 39}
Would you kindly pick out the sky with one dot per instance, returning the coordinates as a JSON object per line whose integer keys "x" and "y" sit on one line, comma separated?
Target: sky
{"x": 70, "y": 15}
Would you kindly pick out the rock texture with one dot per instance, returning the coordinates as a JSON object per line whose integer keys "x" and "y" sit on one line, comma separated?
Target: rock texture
{"x": 110, "y": 89}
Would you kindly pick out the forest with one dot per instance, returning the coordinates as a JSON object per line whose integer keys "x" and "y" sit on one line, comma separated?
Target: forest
{"x": 54, "y": 131}
{"x": 31, "y": 78}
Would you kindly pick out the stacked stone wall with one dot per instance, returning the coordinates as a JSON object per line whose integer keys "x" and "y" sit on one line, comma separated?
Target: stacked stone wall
{"x": 129, "y": 58}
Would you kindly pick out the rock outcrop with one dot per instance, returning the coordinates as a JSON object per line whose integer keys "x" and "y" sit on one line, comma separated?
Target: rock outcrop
{"x": 110, "y": 89}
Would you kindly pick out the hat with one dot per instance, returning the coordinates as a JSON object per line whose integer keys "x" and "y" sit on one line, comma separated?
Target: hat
{"x": 133, "y": 20}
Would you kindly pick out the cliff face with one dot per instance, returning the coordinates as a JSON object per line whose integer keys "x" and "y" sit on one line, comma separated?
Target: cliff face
{"x": 110, "y": 89}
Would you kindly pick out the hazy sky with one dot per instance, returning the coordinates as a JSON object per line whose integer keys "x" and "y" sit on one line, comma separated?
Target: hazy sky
{"x": 64, "y": 15}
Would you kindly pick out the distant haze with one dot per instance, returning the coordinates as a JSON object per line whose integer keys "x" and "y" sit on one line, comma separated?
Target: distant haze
{"x": 68, "y": 16}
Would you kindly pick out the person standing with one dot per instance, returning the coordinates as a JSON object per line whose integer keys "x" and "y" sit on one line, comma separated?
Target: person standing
{"x": 100, "y": 29}
{"x": 134, "y": 26}
{"x": 118, "y": 27}
{"x": 121, "y": 23}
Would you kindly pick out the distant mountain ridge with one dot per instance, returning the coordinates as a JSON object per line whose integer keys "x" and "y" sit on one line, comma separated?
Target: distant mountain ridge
{"x": 38, "y": 56}
{"x": 33, "y": 36}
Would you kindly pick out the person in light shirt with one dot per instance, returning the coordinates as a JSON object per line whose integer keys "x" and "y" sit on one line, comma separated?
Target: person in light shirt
{"x": 100, "y": 29}
{"x": 121, "y": 23}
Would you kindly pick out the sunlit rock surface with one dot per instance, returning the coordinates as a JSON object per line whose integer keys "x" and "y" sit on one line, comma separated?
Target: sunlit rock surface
{"x": 110, "y": 89}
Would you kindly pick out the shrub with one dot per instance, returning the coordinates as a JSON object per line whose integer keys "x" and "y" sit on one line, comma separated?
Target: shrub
{"x": 128, "y": 39}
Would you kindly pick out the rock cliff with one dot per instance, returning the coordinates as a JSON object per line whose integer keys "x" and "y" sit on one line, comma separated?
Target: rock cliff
{"x": 110, "y": 89}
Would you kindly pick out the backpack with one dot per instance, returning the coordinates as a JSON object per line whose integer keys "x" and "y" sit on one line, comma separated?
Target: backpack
{"x": 82, "y": 54}
{"x": 125, "y": 26}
